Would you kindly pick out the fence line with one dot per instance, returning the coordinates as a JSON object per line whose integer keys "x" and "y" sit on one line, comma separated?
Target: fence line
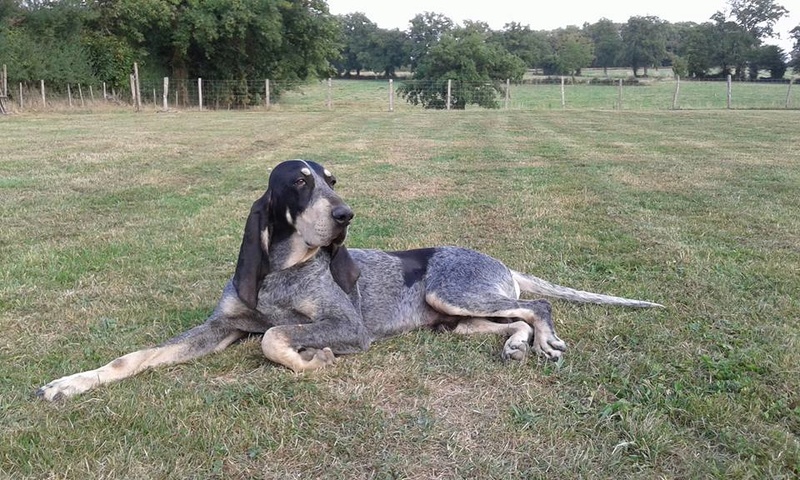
{"x": 382, "y": 95}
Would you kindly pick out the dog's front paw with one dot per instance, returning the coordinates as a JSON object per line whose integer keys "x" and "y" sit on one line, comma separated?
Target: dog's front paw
{"x": 321, "y": 359}
{"x": 66, "y": 387}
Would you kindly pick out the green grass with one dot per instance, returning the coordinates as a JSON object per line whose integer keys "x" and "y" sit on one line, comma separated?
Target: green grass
{"x": 119, "y": 231}
{"x": 373, "y": 95}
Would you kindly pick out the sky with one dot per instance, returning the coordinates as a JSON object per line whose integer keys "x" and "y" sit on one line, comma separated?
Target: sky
{"x": 550, "y": 15}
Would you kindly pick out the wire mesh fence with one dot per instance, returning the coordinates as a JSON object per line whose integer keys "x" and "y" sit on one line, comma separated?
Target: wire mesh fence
{"x": 405, "y": 95}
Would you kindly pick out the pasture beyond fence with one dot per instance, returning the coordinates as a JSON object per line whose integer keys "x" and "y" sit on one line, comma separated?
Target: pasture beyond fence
{"x": 383, "y": 95}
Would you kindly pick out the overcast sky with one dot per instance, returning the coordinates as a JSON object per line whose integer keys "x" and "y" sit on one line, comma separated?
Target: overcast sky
{"x": 549, "y": 15}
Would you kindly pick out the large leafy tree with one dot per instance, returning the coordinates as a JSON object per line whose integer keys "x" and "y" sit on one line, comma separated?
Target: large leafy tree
{"x": 733, "y": 46}
{"x": 757, "y": 17}
{"x": 425, "y": 31}
{"x": 531, "y": 46}
{"x": 476, "y": 66}
{"x": 73, "y": 40}
{"x": 768, "y": 57}
{"x": 573, "y": 51}
{"x": 744, "y": 29}
{"x": 699, "y": 50}
{"x": 357, "y": 32}
{"x": 387, "y": 51}
{"x": 44, "y": 40}
{"x": 607, "y": 40}
{"x": 644, "y": 42}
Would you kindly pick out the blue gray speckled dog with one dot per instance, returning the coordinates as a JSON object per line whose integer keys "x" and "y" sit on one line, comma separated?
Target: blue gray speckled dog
{"x": 313, "y": 299}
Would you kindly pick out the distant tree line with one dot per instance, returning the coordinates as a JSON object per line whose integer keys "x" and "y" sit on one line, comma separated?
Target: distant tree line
{"x": 85, "y": 41}
{"x": 731, "y": 42}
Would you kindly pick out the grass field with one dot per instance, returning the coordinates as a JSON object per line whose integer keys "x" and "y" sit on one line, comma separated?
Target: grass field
{"x": 350, "y": 96}
{"x": 119, "y": 231}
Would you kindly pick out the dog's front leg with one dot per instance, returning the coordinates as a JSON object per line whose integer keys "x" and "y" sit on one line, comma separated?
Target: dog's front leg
{"x": 338, "y": 328}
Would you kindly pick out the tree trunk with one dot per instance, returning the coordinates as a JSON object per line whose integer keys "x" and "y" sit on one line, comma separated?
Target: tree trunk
{"x": 180, "y": 76}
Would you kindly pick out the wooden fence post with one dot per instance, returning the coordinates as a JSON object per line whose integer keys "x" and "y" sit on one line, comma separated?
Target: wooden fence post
{"x": 44, "y": 98}
{"x": 166, "y": 94}
{"x": 330, "y": 98}
{"x": 200, "y": 93}
{"x": 266, "y": 94}
{"x": 69, "y": 96}
{"x": 677, "y": 91}
{"x": 619, "y": 95}
{"x": 80, "y": 94}
{"x": 563, "y": 96}
{"x": 133, "y": 90}
{"x": 789, "y": 93}
{"x": 449, "y": 91}
{"x": 391, "y": 95}
{"x": 136, "y": 85}
{"x": 5, "y": 81}
{"x": 21, "y": 104}
{"x": 91, "y": 93}
{"x": 729, "y": 92}
{"x": 105, "y": 97}
{"x": 508, "y": 91}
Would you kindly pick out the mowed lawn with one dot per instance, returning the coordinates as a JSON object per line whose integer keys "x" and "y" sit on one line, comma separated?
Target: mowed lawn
{"x": 119, "y": 230}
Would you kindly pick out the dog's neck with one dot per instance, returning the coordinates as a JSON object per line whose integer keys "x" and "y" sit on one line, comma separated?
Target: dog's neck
{"x": 290, "y": 251}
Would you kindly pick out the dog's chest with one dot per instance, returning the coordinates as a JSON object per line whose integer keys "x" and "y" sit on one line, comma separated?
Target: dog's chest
{"x": 297, "y": 287}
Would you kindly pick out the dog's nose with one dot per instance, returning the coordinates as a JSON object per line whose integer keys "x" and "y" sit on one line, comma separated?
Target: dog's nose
{"x": 342, "y": 214}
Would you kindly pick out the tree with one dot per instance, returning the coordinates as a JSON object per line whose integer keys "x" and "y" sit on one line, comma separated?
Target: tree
{"x": 284, "y": 40}
{"x": 357, "y": 31}
{"x": 733, "y": 46}
{"x": 44, "y": 41}
{"x": 387, "y": 51}
{"x": 757, "y": 17}
{"x": 768, "y": 57}
{"x": 531, "y": 46}
{"x": 425, "y": 31}
{"x": 572, "y": 51}
{"x": 699, "y": 50}
{"x": 607, "y": 40}
{"x": 476, "y": 67}
{"x": 795, "y": 54}
{"x": 644, "y": 43}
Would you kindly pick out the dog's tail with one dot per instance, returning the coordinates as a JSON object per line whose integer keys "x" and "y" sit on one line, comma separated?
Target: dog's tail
{"x": 538, "y": 286}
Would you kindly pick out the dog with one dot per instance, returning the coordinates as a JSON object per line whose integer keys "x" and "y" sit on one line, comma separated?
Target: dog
{"x": 313, "y": 299}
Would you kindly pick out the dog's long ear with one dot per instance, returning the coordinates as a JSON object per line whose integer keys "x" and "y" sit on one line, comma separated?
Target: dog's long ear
{"x": 253, "y": 263}
{"x": 344, "y": 269}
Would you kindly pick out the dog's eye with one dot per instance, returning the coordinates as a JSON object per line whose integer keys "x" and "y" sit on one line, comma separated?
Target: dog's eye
{"x": 300, "y": 182}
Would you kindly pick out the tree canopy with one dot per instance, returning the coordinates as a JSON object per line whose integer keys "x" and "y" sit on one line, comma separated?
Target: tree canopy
{"x": 74, "y": 41}
{"x": 476, "y": 67}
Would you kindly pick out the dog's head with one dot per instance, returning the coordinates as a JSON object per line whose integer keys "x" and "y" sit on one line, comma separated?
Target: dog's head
{"x": 301, "y": 206}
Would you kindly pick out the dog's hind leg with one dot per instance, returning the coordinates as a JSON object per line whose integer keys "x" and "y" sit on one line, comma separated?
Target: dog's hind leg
{"x": 464, "y": 283}
{"x": 536, "y": 314}
{"x": 519, "y": 335}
